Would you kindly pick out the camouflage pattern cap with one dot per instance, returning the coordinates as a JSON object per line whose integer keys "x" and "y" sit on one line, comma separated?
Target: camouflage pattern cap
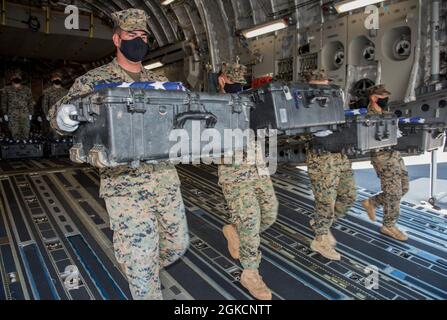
{"x": 379, "y": 90}
{"x": 56, "y": 75}
{"x": 131, "y": 20}
{"x": 235, "y": 72}
{"x": 15, "y": 73}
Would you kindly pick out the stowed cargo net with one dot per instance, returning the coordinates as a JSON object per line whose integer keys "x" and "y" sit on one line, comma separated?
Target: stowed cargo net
{"x": 126, "y": 124}
{"x": 296, "y": 108}
{"x": 360, "y": 134}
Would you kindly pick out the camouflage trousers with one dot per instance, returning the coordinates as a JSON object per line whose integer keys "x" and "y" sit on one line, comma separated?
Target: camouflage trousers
{"x": 150, "y": 232}
{"x": 253, "y": 207}
{"x": 19, "y": 126}
{"x": 391, "y": 170}
{"x": 333, "y": 186}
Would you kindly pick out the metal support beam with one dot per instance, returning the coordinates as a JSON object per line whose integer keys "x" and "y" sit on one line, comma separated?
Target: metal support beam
{"x": 435, "y": 43}
{"x": 3, "y": 13}
{"x": 433, "y": 175}
{"x": 91, "y": 27}
{"x": 435, "y": 68}
{"x": 47, "y": 14}
{"x": 168, "y": 26}
{"x": 211, "y": 45}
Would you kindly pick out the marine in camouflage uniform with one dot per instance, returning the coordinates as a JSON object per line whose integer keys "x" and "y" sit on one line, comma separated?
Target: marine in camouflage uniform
{"x": 253, "y": 207}
{"x": 18, "y": 105}
{"x": 333, "y": 185}
{"x": 145, "y": 205}
{"x": 393, "y": 174}
{"x": 251, "y": 201}
{"x": 50, "y": 96}
{"x": 236, "y": 72}
{"x": 232, "y": 77}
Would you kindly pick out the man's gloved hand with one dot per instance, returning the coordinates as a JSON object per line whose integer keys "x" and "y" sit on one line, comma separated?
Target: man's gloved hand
{"x": 39, "y": 118}
{"x": 322, "y": 134}
{"x": 30, "y": 117}
{"x": 399, "y": 134}
{"x": 64, "y": 122}
{"x": 6, "y": 118}
{"x": 48, "y": 118}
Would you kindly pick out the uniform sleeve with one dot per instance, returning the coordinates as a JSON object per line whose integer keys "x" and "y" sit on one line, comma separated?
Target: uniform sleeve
{"x": 31, "y": 102}
{"x": 4, "y": 102}
{"x": 305, "y": 138}
{"x": 221, "y": 85}
{"x": 81, "y": 86}
{"x": 152, "y": 76}
{"x": 162, "y": 78}
{"x": 372, "y": 112}
{"x": 45, "y": 103}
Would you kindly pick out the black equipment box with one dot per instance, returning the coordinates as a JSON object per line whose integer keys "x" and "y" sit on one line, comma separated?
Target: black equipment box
{"x": 361, "y": 134}
{"x": 295, "y": 108}
{"x": 123, "y": 126}
{"x": 57, "y": 149}
{"x": 14, "y": 151}
{"x": 421, "y": 137}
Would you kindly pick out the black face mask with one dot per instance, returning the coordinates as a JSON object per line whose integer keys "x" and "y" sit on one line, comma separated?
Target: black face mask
{"x": 17, "y": 80}
{"x": 134, "y": 50}
{"x": 57, "y": 82}
{"x": 383, "y": 103}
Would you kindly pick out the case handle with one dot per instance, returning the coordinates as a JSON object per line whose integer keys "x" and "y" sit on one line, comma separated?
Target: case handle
{"x": 182, "y": 118}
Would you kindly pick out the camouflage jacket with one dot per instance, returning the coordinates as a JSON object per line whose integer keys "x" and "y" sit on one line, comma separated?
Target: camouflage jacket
{"x": 51, "y": 96}
{"x": 122, "y": 180}
{"x": 17, "y": 102}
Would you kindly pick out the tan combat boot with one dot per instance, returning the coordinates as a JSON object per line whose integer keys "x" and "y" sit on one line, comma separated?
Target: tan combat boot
{"x": 253, "y": 282}
{"x": 232, "y": 237}
{"x": 322, "y": 245}
{"x": 370, "y": 209}
{"x": 331, "y": 237}
{"x": 394, "y": 233}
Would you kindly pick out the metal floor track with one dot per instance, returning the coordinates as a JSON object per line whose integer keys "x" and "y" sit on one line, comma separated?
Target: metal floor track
{"x": 52, "y": 218}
